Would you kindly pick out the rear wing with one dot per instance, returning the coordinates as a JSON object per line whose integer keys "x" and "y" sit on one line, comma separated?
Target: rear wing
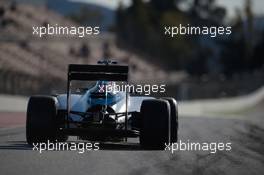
{"x": 107, "y": 72}
{"x": 97, "y": 72}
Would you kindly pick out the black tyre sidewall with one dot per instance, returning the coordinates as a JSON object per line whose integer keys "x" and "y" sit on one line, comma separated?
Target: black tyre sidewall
{"x": 41, "y": 124}
{"x": 174, "y": 118}
{"x": 155, "y": 115}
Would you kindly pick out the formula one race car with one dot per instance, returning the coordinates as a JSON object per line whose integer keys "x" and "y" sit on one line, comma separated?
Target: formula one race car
{"x": 98, "y": 115}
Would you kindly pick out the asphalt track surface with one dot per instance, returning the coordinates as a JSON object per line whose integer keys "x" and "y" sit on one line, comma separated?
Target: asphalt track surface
{"x": 246, "y": 156}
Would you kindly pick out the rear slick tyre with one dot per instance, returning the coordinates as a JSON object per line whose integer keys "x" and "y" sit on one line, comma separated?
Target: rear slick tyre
{"x": 41, "y": 125}
{"x": 154, "y": 132}
{"x": 174, "y": 119}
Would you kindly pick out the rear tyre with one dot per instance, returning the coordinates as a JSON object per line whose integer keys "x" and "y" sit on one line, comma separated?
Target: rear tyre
{"x": 154, "y": 132}
{"x": 173, "y": 118}
{"x": 41, "y": 124}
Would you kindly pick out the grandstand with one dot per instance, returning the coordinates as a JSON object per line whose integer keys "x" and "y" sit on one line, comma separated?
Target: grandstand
{"x": 30, "y": 65}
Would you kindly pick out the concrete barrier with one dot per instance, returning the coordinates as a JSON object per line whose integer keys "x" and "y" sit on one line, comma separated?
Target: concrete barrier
{"x": 10, "y": 103}
{"x": 222, "y": 106}
{"x": 209, "y": 107}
